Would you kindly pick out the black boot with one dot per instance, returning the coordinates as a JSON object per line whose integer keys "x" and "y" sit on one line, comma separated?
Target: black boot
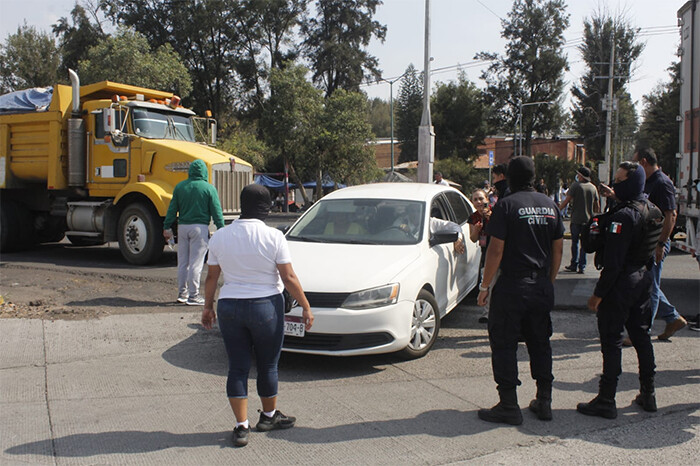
{"x": 506, "y": 411}
{"x": 602, "y": 405}
{"x": 647, "y": 396}
{"x": 542, "y": 404}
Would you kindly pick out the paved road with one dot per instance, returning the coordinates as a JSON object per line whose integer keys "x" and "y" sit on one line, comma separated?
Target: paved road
{"x": 149, "y": 389}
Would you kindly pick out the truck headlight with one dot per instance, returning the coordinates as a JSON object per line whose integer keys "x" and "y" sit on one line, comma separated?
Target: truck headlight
{"x": 374, "y": 297}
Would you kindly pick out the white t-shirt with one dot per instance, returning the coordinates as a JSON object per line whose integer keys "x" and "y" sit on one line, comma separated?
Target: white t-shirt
{"x": 248, "y": 252}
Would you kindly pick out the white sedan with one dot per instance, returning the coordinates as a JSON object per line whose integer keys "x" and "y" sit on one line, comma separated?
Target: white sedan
{"x": 377, "y": 278}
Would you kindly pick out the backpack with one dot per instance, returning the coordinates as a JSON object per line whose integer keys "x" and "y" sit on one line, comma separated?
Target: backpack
{"x": 593, "y": 234}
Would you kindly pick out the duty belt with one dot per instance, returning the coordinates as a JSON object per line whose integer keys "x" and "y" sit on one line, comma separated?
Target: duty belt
{"x": 533, "y": 273}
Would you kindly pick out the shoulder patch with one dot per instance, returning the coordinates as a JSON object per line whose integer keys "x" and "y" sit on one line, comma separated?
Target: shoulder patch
{"x": 616, "y": 227}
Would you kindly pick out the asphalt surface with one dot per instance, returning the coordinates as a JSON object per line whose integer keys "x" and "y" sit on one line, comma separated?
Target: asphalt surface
{"x": 150, "y": 389}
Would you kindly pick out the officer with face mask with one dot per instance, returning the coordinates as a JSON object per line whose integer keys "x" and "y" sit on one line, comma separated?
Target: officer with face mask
{"x": 622, "y": 295}
{"x": 526, "y": 233}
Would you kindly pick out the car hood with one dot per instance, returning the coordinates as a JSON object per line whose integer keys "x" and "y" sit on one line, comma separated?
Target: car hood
{"x": 346, "y": 268}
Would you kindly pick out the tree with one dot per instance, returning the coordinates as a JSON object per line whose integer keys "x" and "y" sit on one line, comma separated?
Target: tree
{"x": 460, "y": 171}
{"x": 459, "y": 118}
{"x": 344, "y": 153}
{"x": 409, "y": 108}
{"x": 335, "y": 42}
{"x": 244, "y": 143}
{"x": 28, "y": 58}
{"x": 75, "y": 37}
{"x": 659, "y": 128}
{"x": 379, "y": 117}
{"x": 127, "y": 58}
{"x": 589, "y": 118}
{"x": 553, "y": 170}
{"x": 289, "y": 120}
{"x": 532, "y": 69}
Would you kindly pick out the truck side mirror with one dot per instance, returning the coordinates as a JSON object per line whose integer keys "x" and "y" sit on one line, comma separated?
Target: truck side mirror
{"x": 109, "y": 120}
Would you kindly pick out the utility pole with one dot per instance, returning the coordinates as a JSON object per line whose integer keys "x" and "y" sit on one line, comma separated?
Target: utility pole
{"x": 426, "y": 136}
{"x": 604, "y": 169}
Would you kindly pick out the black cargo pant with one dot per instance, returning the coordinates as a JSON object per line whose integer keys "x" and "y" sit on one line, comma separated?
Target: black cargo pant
{"x": 626, "y": 306}
{"x": 521, "y": 306}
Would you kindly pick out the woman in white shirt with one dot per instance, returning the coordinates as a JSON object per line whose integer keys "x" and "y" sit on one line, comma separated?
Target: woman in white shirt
{"x": 256, "y": 265}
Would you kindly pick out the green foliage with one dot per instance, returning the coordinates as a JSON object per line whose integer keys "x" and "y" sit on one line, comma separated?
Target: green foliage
{"x": 460, "y": 119}
{"x": 659, "y": 129}
{"x": 553, "y": 170}
{"x": 28, "y": 58}
{"x": 127, "y": 58}
{"x": 344, "y": 152}
{"x": 290, "y": 118}
{"x": 532, "y": 69}
{"x": 409, "y": 108}
{"x": 76, "y": 37}
{"x": 589, "y": 119}
{"x": 460, "y": 171}
{"x": 336, "y": 40}
{"x": 244, "y": 143}
{"x": 379, "y": 117}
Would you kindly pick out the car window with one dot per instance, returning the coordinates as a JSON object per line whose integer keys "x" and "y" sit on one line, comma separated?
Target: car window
{"x": 460, "y": 208}
{"x": 438, "y": 209}
{"x": 361, "y": 221}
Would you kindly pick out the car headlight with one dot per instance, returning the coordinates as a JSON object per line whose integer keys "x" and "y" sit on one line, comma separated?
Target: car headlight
{"x": 374, "y": 297}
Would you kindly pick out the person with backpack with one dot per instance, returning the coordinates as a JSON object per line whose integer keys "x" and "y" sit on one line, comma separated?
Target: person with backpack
{"x": 621, "y": 298}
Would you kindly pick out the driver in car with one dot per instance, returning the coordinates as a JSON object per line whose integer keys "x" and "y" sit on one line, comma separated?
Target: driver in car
{"x": 410, "y": 223}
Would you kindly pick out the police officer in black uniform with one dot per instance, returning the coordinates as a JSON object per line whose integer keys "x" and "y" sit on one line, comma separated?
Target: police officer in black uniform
{"x": 526, "y": 232}
{"x": 621, "y": 297}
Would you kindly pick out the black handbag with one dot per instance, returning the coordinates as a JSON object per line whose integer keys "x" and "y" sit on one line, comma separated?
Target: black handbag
{"x": 289, "y": 302}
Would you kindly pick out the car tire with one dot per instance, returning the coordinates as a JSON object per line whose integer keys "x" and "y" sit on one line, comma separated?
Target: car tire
{"x": 140, "y": 234}
{"x": 425, "y": 326}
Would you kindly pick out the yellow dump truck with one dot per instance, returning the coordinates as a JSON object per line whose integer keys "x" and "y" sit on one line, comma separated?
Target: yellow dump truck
{"x": 100, "y": 163}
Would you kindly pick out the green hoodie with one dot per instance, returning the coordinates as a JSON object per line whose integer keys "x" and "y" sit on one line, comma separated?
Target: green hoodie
{"x": 195, "y": 200}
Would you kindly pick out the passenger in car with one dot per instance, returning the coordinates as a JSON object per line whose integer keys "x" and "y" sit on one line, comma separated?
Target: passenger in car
{"x": 343, "y": 224}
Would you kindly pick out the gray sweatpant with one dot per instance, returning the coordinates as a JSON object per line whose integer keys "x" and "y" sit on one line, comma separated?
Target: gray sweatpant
{"x": 192, "y": 243}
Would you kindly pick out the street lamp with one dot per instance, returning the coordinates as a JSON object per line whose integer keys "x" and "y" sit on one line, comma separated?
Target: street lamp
{"x": 520, "y": 118}
{"x": 391, "y": 109}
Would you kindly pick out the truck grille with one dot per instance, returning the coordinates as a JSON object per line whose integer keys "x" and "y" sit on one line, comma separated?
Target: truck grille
{"x": 229, "y": 185}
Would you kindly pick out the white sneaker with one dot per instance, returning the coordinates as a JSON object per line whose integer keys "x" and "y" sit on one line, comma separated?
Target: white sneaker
{"x": 196, "y": 301}
{"x": 181, "y": 299}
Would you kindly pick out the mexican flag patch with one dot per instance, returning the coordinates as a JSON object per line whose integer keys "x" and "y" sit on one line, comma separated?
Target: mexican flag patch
{"x": 615, "y": 227}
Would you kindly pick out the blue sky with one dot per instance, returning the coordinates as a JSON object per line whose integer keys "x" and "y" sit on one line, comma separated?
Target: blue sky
{"x": 460, "y": 29}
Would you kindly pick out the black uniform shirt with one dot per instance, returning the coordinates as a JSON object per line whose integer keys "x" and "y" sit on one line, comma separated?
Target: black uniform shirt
{"x": 661, "y": 191}
{"x": 528, "y": 222}
{"x": 623, "y": 231}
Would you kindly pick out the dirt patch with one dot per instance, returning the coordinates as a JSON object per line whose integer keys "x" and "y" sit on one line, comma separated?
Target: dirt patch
{"x": 45, "y": 293}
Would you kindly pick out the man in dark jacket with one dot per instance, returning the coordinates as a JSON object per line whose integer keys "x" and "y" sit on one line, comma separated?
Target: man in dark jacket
{"x": 195, "y": 202}
{"x": 621, "y": 297}
{"x": 526, "y": 232}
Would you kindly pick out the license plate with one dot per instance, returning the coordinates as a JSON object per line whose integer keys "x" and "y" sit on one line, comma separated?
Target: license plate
{"x": 294, "y": 326}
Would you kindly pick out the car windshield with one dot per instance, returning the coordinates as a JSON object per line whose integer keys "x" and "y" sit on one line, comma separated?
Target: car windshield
{"x": 361, "y": 221}
{"x": 155, "y": 124}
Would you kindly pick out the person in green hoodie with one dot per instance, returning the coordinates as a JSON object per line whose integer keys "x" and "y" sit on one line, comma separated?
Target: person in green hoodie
{"x": 195, "y": 202}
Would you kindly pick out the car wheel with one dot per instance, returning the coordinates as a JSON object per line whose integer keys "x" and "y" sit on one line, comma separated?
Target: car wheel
{"x": 425, "y": 325}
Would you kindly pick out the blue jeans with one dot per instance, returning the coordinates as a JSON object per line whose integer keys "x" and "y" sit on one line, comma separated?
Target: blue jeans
{"x": 659, "y": 302}
{"x": 577, "y": 260}
{"x": 247, "y": 326}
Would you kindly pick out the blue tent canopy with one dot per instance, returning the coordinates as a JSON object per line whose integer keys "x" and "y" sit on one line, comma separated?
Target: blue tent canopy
{"x": 270, "y": 182}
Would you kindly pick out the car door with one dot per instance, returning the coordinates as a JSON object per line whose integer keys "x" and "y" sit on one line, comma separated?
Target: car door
{"x": 467, "y": 265}
{"x": 446, "y": 279}
{"x": 108, "y": 161}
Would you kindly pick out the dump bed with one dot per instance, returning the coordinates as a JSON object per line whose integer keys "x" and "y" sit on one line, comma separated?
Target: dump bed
{"x": 34, "y": 145}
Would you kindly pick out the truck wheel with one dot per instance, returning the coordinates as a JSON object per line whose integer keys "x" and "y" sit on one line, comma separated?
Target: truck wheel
{"x": 140, "y": 234}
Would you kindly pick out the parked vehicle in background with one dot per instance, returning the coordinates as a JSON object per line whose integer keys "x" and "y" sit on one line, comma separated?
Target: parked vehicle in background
{"x": 99, "y": 163}
{"x": 688, "y": 179}
{"x": 377, "y": 280}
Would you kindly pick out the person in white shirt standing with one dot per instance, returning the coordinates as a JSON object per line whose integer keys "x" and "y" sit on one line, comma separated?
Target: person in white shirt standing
{"x": 257, "y": 266}
{"x": 440, "y": 180}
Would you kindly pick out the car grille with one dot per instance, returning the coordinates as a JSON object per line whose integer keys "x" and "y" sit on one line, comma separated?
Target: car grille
{"x": 337, "y": 341}
{"x": 332, "y": 300}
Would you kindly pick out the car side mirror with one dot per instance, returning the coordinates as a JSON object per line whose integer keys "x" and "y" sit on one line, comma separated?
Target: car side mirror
{"x": 442, "y": 238}
{"x": 284, "y": 228}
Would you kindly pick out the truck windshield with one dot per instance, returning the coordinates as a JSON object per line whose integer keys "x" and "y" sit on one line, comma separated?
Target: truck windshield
{"x": 154, "y": 124}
